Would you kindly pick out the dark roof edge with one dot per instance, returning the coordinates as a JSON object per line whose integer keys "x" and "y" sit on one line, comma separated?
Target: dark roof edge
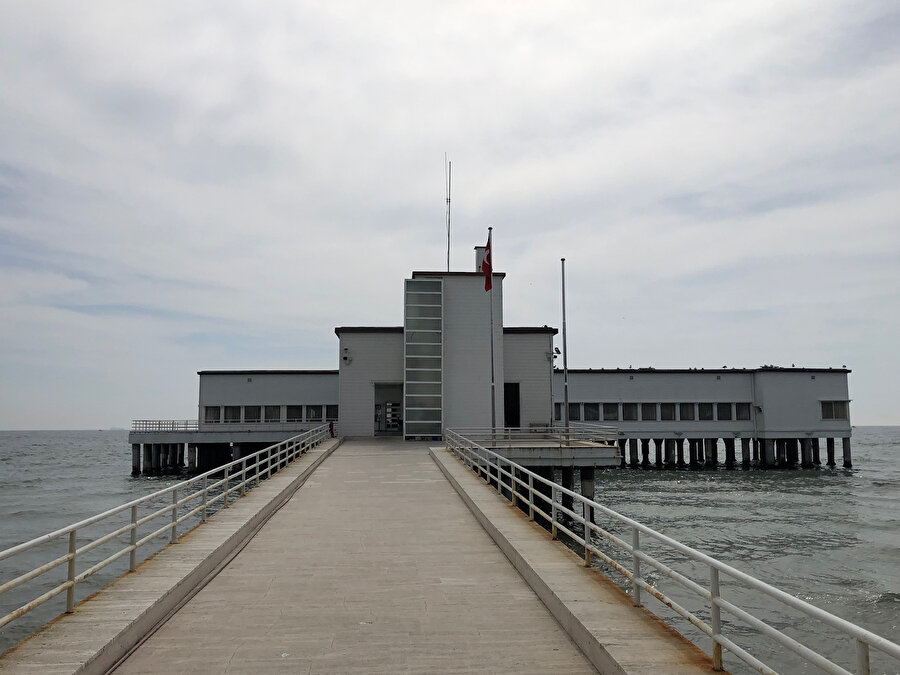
{"x": 530, "y": 329}
{"x": 368, "y": 329}
{"x": 267, "y": 372}
{"x": 718, "y": 371}
{"x": 424, "y": 273}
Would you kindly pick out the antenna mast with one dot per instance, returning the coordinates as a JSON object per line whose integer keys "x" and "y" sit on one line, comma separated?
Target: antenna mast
{"x": 448, "y": 168}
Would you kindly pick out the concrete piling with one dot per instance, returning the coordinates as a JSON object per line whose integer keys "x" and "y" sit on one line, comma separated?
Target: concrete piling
{"x": 148, "y": 459}
{"x": 711, "y": 453}
{"x": 156, "y": 450}
{"x": 645, "y": 453}
{"x": 633, "y": 451}
{"x": 815, "y": 451}
{"x": 829, "y": 448}
{"x": 692, "y": 449}
{"x": 793, "y": 451}
{"x": 622, "y": 443}
{"x": 745, "y": 452}
{"x": 588, "y": 487}
{"x": 568, "y": 482}
{"x": 729, "y": 453}
{"x": 679, "y": 445}
{"x": 848, "y": 464}
{"x": 768, "y": 455}
{"x": 658, "y": 452}
{"x": 806, "y": 458}
{"x": 135, "y": 459}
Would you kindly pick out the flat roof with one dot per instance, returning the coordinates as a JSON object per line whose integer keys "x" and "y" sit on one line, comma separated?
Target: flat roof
{"x": 718, "y": 371}
{"x": 368, "y": 329}
{"x": 530, "y": 329}
{"x": 267, "y": 372}
{"x": 422, "y": 273}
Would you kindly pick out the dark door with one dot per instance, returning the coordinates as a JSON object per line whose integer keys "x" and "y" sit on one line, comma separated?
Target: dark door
{"x": 511, "y": 416}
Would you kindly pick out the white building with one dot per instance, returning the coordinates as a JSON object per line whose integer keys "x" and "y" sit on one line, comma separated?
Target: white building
{"x": 434, "y": 372}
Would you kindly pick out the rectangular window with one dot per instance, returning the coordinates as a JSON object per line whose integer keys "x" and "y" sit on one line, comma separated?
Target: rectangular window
{"x": 591, "y": 412}
{"x": 313, "y": 413}
{"x": 610, "y": 412}
{"x": 629, "y": 412}
{"x": 294, "y": 413}
{"x": 232, "y": 414}
{"x": 834, "y": 410}
{"x": 557, "y": 412}
{"x": 648, "y": 412}
{"x": 251, "y": 414}
{"x": 687, "y": 411}
{"x": 273, "y": 413}
{"x": 706, "y": 411}
{"x": 723, "y": 412}
{"x": 667, "y": 411}
{"x": 331, "y": 412}
{"x": 742, "y": 411}
{"x": 574, "y": 412}
{"x": 212, "y": 414}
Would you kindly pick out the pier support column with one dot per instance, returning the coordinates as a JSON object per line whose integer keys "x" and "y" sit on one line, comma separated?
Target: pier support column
{"x": 729, "y": 453}
{"x": 568, "y": 482}
{"x": 806, "y": 459}
{"x": 679, "y": 447}
{"x": 768, "y": 455}
{"x": 173, "y": 457}
{"x": 180, "y": 462}
{"x": 192, "y": 457}
{"x": 669, "y": 453}
{"x": 633, "y": 452}
{"x": 781, "y": 453}
{"x": 154, "y": 466}
{"x": 712, "y": 453}
{"x": 848, "y": 464}
{"x": 701, "y": 454}
{"x": 829, "y": 448}
{"x": 622, "y": 443}
{"x": 756, "y": 445}
{"x": 692, "y": 449}
{"x": 587, "y": 487}
{"x": 148, "y": 459}
{"x": 745, "y": 452}
{"x": 645, "y": 453}
{"x": 817, "y": 459}
{"x": 793, "y": 451}
{"x": 658, "y": 447}
{"x": 135, "y": 459}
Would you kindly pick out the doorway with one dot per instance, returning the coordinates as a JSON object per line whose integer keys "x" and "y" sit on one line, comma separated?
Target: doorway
{"x": 388, "y": 408}
{"x": 511, "y": 412}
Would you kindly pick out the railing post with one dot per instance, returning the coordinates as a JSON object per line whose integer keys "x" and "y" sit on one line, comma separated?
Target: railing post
{"x": 174, "y": 535}
{"x": 553, "y": 509}
{"x": 715, "y": 616}
{"x": 862, "y": 658}
{"x": 225, "y": 490}
{"x": 243, "y": 476}
{"x": 70, "y": 591}
{"x": 636, "y": 566}
{"x": 530, "y": 497}
{"x": 512, "y": 484}
{"x": 587, "y": 533}
{"x": 203, "y": 513}
{"x": 132, "y": 560}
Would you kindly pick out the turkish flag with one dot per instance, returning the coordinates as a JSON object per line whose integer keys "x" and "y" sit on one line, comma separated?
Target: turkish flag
{"x": 486, "y": 264}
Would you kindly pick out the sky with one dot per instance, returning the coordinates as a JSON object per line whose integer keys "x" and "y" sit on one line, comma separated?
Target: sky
{"x": 216, "y": 185}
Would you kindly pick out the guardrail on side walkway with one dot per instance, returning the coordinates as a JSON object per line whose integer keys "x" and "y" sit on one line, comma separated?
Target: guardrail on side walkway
{"x": 528, "y": 489}
{"x": 201, "y": 495}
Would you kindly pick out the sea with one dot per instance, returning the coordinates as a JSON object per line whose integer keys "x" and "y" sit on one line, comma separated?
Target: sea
{"x": 828, "y": 536}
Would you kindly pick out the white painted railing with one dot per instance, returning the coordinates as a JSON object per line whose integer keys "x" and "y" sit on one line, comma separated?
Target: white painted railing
{"x": 524, "y": 487}
{"x": 164, "y": 425}
{"x": 578, "y": 431}
{"x": 199, "y": 496}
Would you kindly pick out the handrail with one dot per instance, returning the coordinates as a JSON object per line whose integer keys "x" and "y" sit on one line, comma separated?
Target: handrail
{"x": 250, "y": 470}
{"x": 577, "y": 431}
{"x": 507, "y": 476}
{"x": 165, "y": 425}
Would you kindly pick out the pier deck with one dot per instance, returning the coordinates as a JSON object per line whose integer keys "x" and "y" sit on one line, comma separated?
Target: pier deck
{"x": 377, "y": 565}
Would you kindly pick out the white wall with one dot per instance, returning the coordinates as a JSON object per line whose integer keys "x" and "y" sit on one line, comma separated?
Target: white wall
{"x": 467, "y": 351}
{"x": 376, "y": 357}
{"x": 525, "y": 361}
{"x": 791, "y": 402}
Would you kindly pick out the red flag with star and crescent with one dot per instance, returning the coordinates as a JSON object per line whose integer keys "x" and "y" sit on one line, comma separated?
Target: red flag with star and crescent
{"x": 486, "y": 264}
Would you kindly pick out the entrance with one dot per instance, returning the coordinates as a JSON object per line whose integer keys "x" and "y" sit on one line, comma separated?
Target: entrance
{"x": 388, "y": 408}
{"x": 511, "y": 414}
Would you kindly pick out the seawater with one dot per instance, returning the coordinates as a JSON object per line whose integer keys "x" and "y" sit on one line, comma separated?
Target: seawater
{"x": 830, "y": 537}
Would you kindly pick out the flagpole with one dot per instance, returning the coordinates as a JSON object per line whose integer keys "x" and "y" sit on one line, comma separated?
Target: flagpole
{"x": 565, "y": 351}
{"x": 493, "y": 385}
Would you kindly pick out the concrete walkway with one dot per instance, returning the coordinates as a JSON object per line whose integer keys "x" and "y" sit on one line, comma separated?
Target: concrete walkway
{"x": 375, "y": 565}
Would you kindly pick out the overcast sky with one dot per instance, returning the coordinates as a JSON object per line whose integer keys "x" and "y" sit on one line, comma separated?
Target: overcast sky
{"x": 217, "y": 185}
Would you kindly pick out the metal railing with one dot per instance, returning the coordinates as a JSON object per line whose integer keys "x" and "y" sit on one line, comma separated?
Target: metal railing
{"x": 164, "y": 425}
{"x": 585, "y": 432}
{"x": 200, "y": 495}
{"x": 524, "y": 487}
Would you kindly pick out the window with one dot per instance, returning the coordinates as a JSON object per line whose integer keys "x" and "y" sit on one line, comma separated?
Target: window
{"x": 557, "y": 411}
{"x": 687, "y": 411}
{"x": 723, "y": 412}
{"x": 574, "y": 412}
{"x": 251, "y": 414}
{"x": 591, "y": 412}
{"x": 212, "y": 414}
{"x": 313, "y": 413}
{"x": 834, "y": 410}
{"x": 667, "y": 411}
{"x": 294, "y": 413}
{"x": 610, "y": 412}
{"x": 232, "y": 414}
{"x": 706, "y": 411}
{"x": 331, "y": 412}
{"x": 648, "y": 412}
{"x": 629, "y": 412}
{"x": 742, "y": 411}
{"x": 273, "y": 413}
